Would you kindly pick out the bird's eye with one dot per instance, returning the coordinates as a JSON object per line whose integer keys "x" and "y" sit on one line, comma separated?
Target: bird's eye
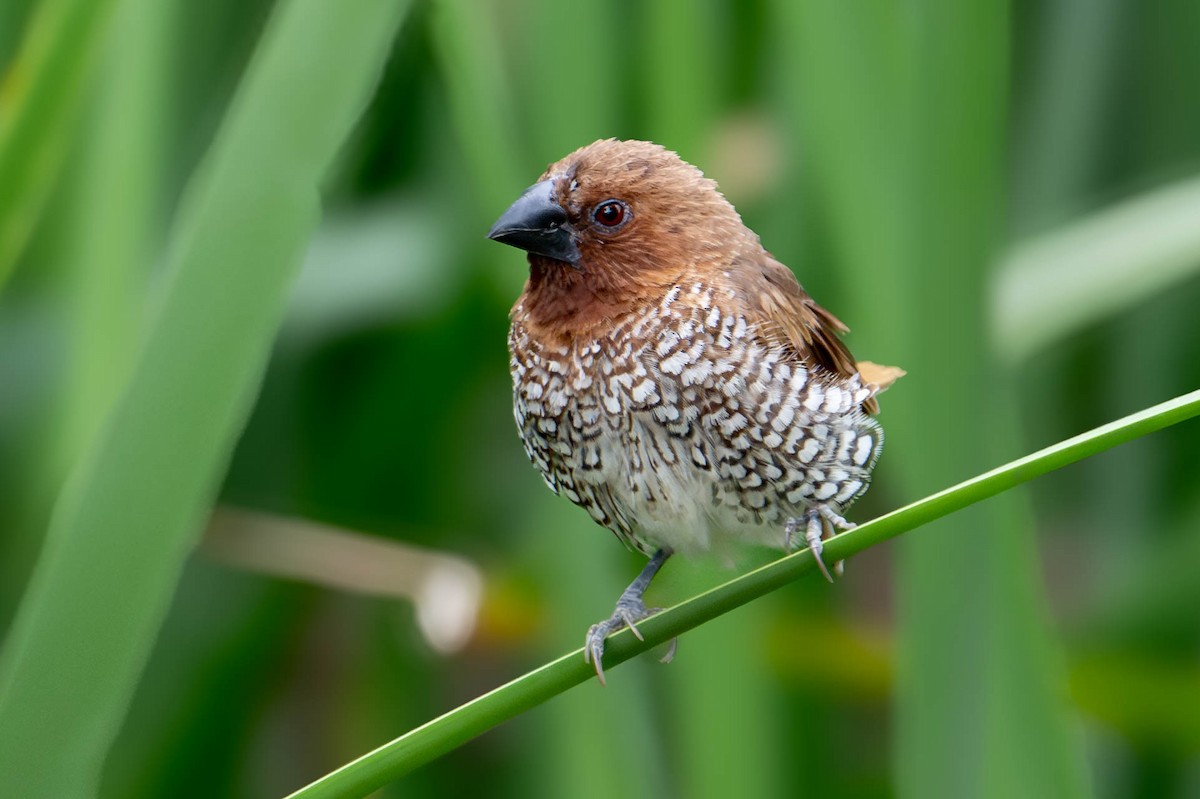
{"x": 610, "y": 213}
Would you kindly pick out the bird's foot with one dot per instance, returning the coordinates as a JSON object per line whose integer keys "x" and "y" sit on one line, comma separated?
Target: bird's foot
{"x": 629, "y": 611}
{"x": 814, "y": 522}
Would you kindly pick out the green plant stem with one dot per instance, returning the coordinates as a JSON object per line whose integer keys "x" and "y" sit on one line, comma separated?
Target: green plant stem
{"x": 445, "y": 733}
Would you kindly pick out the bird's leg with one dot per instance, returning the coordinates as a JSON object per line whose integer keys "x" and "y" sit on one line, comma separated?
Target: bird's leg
{"x": 838, "y": 524}
{"x": 629, "y": 611}
{"x": 814, "y": 521}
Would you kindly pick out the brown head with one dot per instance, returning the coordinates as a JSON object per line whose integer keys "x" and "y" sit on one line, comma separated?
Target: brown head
{"x": 611, "y": 227}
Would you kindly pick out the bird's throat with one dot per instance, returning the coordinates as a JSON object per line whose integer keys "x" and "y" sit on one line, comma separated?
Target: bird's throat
{"x": 563, "y": 302}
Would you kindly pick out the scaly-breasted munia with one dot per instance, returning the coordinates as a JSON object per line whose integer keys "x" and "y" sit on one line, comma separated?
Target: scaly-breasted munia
{"x": 671, "y": 377}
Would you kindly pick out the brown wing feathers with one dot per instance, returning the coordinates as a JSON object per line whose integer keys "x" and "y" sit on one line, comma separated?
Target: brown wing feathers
{"x": 789, "y": 316}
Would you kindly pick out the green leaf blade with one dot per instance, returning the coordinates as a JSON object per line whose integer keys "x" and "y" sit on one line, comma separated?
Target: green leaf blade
{"x": 129, "y": 515}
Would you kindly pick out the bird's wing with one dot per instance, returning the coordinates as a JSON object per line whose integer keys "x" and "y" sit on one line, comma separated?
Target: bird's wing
{"x": 786, "y": 315}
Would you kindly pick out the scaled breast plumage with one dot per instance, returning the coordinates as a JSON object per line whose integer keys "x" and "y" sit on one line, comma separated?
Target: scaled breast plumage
{"x": 679, "y": 424}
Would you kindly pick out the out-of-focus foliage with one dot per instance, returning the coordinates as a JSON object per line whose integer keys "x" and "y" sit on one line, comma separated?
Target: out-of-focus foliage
{"x": 144, "y": 485}
{"x": 385, "y": 411}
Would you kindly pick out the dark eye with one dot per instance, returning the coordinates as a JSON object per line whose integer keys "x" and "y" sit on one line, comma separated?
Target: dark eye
{"x": 610, "y": 213}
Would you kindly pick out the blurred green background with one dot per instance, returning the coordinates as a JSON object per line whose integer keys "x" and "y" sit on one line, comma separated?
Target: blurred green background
{"x": 1002, "y": 198}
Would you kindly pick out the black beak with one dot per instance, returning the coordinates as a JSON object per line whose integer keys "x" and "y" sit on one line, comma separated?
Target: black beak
{"x": 537, "y": 224}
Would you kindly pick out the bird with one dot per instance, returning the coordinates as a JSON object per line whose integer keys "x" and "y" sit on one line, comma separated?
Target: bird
{"x": 671, "y": 377}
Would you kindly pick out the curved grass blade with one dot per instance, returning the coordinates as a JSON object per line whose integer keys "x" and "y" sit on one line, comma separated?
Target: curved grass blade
{"x": 445, "y": 733}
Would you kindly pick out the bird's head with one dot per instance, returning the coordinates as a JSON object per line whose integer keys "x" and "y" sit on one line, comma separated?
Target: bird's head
{"x": 615, "y": 224}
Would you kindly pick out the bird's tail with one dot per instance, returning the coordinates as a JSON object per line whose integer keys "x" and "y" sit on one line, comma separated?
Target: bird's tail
{"x": 879, "y": 377}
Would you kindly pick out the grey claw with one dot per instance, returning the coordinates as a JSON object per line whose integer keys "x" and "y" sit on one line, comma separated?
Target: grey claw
{"x": 587, "y": 644}
{"x": 815, "y": 531}
{"x": 790, "y": 528}
{"x": 821, "y": 563}
{"x": 630, "y": 620}
{"x": 600, "y": 673}
{"x": 593, "y": 649}
{"x": 669, "y": 655}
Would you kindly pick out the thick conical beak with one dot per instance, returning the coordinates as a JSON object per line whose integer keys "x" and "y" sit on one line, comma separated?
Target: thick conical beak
{"x": 537, "y": 224}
